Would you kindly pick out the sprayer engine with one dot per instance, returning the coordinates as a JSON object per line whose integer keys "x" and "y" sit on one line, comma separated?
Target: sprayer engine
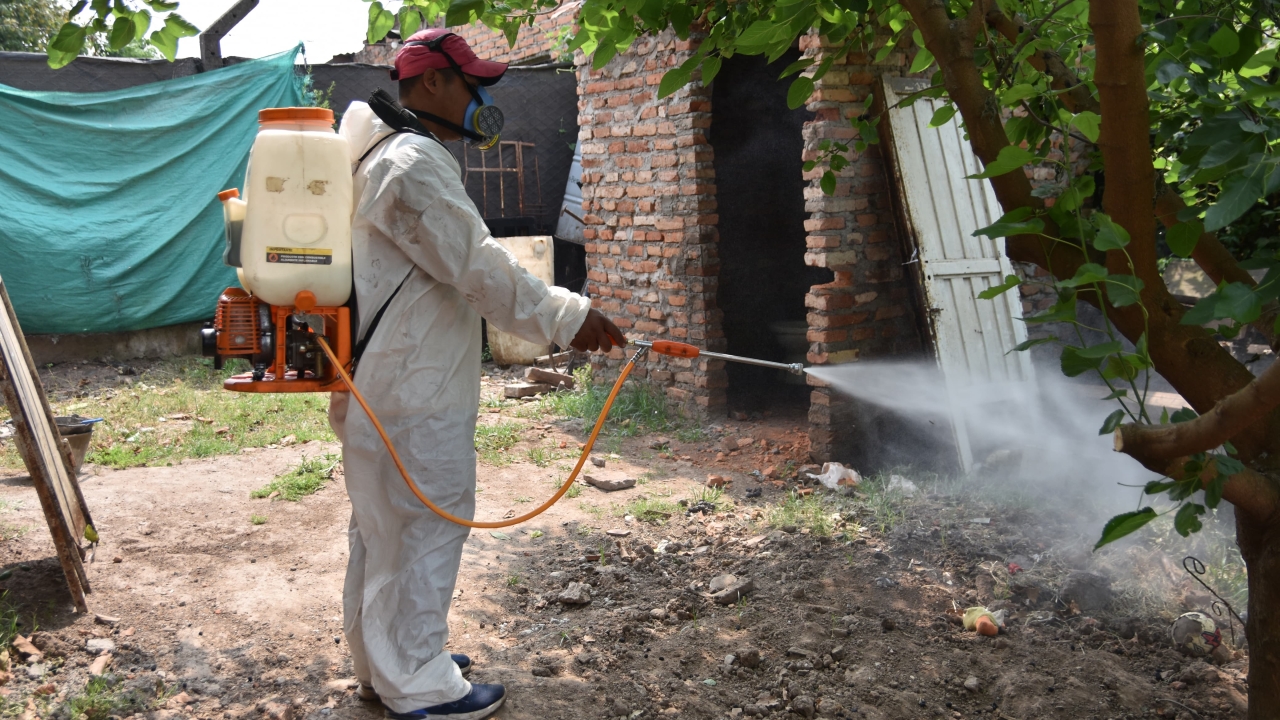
{"x": 280, "y": 343}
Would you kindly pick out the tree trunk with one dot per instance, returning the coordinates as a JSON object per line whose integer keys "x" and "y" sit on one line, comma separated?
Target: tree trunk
{"x": 1260, "y": 545}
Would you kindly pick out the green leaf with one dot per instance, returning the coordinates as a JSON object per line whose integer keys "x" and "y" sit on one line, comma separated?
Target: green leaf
{"x": 460, "y": 12}
{"x": 176, "y": 26}
{"x": 121, "y": 33}
{"x": 499, "y": 535}
{"x": 710, "y": 68}
{"x": 1187, "y": 520}
{"x": 165, "y": 43}
{"x": 141, "y": 23}
{"x": 1123, "y": 290}
{"x": 1183, "y": 237}
{"x": 1086, "y": 274}
{"x": 673, "y": 80}
{"x": 1239, "y": 193}
{"x": 1225, "y": 41}
{"x": 796, "y": 67}
{"x": 1155, "y": 487}
{"x": 75, "y": 9}
{"x": 1089, "y": 124}
{"x": 90, "y": 534}
{"x": 1183, "y": 415}
{"x": 1112, "y": 422}
{"x": 1124, "y": 524}
{"x": 1239, "y": 302}
{"x": 1228, "y": 465}
{"x": 1077, "y": 361}
{"x": 799, "y": 92}
{"x": 1213, "y": 490}
{"x": 1028, "y": 344}
{"x": 1011, "y": 158}
{"x": 1015, "y": 222}
{"x": 1017, "y": 94}
{"x": 410, "y": 21}
{"x": 66, "y": 45}
{"x": 161, "y": 5}
{"x": 942, "y": 115}
{"x": 1010, "y": 282}
{"x": 828, "y": 183}
{"x": 923, "y": 60}
{"x": 1111, "y": 236}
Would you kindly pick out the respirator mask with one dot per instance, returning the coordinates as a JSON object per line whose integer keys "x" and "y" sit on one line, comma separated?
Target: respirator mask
{"x": 482, "y": 121}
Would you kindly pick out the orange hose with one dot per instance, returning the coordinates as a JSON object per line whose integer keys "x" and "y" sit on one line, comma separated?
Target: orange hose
{"x": 573, "y": 476}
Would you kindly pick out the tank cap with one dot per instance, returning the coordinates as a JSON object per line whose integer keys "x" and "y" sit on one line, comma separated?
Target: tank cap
{"x": 295, "y": 114}
{"x": 226, "y": 195}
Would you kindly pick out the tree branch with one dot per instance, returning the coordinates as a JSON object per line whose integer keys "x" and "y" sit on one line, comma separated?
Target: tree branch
{"x": 1077, "y": 98}
{"x": 1210, "y": 255}
{"x": 1229, "y": 417}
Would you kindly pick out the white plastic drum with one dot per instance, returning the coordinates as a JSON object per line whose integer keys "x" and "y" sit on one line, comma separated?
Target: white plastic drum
{"x": 297, "y": 226}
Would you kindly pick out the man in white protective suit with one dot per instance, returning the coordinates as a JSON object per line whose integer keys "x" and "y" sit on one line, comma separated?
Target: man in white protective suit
{"x": 427, "y": 267}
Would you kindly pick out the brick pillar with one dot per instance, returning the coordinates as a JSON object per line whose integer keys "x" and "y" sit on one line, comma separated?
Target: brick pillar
{"x": 867, "y": 311}
{"x": 649, "y": 206}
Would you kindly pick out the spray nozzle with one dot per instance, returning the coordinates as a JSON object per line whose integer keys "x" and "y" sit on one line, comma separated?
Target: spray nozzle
{"x": 684, "y": 350}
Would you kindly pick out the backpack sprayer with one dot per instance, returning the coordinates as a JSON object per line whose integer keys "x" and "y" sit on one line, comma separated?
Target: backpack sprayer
{"x": 289, "y": 239}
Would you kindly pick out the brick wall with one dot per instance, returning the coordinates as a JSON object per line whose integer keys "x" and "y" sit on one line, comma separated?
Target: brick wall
{"x": 868, "y": 310}
{"x": 545, "y": 41}
{"x": 649, "y": 205}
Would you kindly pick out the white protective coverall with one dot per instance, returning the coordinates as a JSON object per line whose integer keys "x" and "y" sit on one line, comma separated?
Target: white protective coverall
{"x": 421, "y": 375}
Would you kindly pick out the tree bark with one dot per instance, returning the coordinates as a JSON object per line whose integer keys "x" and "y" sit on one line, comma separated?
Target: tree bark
{"x": 1260, "y": 547}
{"x": 1077, "y": 99}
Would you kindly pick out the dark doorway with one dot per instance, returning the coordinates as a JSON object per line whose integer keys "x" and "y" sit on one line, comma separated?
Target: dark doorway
{"x": 760, "y": 196}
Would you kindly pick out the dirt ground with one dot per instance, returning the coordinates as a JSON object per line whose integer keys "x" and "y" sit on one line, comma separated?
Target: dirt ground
{"x": 227, "y": 618}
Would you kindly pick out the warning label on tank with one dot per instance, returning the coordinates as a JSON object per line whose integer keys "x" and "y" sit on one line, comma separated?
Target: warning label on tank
{"x": 299, "y": 256}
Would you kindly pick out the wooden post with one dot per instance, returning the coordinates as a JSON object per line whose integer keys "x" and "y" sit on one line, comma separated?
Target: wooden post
{"x": 43, "y": 451}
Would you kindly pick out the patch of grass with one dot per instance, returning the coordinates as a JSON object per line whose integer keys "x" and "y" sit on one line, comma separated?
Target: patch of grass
{"x": 306, "y": 479}
{"x": 200, "y": 418}
{"x": 574, "y": 491}
{"x": 714, "y": 496}
{"x": 803, "y": 512}
{"x": 493, "y": 442}
{"x": 257, "y": 519}
{"x": 524, "y": 499}
{"x": 691, "y": 434}
{"x": 585, "y": 530}
{"x": 102, "y": 698}
{"x": 651, "y": 510}
{"x": 9, "y": 622}
{"x": 591, "y": 510}
{"x": 536, "y": 534}
{"x": 639, "y": 407}
{"x": 542, "y": 456}
{"x": 513, "y": 580}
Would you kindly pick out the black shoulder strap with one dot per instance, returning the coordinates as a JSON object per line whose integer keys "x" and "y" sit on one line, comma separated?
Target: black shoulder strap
{"x": 358, "y": 351}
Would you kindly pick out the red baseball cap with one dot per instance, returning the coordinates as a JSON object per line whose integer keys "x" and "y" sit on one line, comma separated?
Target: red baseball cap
{"x": 421, "y": 51}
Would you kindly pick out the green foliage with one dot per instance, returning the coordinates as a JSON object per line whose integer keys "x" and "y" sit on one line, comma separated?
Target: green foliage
{"x": 305, "y": 479}
{"x": 654, "y": 511}
{"x": 639, "y": 407}
{"x": 28, "y": 25}
{"x": 803, "y": 511}
{"x": 493, "y": 442}
{"x": 103, "y": 697}
{"x": 257, "y": 519}
{"x": 178, "y": 410}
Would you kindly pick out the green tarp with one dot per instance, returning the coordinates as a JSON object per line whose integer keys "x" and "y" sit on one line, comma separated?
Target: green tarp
{"x": 108, "y": 215}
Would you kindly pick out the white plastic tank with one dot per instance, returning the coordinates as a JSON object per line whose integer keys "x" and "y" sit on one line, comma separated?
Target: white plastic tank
{"x": 297, "y": 222}
{"x": 535, "y": 254}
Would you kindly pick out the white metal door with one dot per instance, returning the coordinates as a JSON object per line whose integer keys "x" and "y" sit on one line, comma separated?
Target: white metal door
{"x": 973, "y": 337}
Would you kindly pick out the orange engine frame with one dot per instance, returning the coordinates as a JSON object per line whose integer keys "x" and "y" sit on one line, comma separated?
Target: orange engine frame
{"x": 239, "y": 334}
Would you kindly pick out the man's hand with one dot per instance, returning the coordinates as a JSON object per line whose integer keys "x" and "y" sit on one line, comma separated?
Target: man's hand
{"x": 597, "y": 333}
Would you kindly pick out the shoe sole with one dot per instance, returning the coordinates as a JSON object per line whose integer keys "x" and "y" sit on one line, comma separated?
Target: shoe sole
{"x": 473, "y": 715}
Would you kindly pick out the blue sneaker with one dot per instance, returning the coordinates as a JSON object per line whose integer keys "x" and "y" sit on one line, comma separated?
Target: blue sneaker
{"x": 368, "y": 694}
{"x": 481, "y": 702}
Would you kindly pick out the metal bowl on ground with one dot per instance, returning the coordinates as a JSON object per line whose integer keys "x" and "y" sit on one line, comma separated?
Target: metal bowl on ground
{"x": 78, "y": 434}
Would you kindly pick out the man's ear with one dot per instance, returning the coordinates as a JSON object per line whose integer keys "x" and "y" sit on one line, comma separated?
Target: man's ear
{"x": 431, "y": 81}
